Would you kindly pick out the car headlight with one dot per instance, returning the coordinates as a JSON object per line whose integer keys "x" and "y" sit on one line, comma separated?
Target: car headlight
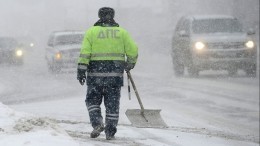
{"x": 19, "y": 53}
{"x": 31, "y": 44}
{"x": 250, "y": 44}
{"x": 199, "y": 45}
{"x": 58, "y": 55}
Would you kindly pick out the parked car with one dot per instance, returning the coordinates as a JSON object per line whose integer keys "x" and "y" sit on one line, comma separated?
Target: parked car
{"x": 10, "y": 51}
{"x": 63, "y": 50}
{"x": 213, "y": 42}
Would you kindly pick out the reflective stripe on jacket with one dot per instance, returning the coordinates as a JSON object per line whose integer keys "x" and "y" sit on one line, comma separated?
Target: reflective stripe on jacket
{"x": 104, "y": 52}
{"x": 106, "y": 72}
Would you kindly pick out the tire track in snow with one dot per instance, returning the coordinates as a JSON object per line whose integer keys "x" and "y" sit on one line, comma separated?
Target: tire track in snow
{"x": 121, "y": 141}
{"x": 220, "y": 103}
{"x": 150, "y": 135}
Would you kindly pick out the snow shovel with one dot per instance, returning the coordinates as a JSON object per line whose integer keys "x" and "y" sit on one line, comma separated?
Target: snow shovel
{"x": 144, "y": 118}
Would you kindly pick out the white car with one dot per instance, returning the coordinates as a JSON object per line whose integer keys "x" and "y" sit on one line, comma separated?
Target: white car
{"x": 213, "y": 42}
{"x": 63, "y": 50}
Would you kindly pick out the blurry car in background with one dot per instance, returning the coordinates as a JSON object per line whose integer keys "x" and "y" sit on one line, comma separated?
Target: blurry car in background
{"x": 213, "y": 42}
{"x": 28, "y": 43}
{"x": 63, "y": 50}
{"x": 10, "y": 51}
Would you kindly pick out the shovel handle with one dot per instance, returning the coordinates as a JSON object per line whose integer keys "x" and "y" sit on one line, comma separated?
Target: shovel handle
{"x": 129, "y": 90}
{"x": 136, "y": 93}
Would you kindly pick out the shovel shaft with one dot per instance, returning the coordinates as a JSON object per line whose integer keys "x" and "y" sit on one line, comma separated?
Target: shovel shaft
{"x": 137, "y": 95}
{"x": 129, "y": 90}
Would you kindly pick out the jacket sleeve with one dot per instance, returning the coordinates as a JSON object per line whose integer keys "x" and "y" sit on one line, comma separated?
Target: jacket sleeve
{"x": 85, "y": 51}
{"x": 131, "y": 49}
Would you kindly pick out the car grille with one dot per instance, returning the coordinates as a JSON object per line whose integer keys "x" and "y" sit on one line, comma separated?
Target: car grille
{"x": 72, "y": 53}
{"x": 226, "y": 55}
{"x": 227, "y": 45}
{"x": 6, "y": 54}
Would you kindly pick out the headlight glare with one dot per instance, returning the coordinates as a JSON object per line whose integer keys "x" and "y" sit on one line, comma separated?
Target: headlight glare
{"x": 19, "y": 53}
{"x": 199, "y": 45}
{"x": 58, "y": 56}
{"x": 250, "y": 44}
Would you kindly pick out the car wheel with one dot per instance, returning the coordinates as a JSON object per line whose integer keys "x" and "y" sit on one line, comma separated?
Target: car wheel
{"x": 53, "y": 69}
{"x": 193, "y": 71}
{"x": 251, "y": 70}
{"x": 17, "y": 62}
{"x": 178, "y": 65}
{"x": 178, "y": 69}
{"x": 232, "y": 71}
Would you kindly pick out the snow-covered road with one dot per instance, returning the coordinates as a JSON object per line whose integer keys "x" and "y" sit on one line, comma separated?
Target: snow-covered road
{"x": 213, "y": 109}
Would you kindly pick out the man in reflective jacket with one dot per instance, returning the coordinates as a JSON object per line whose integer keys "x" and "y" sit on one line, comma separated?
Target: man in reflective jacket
{"x": 107, "y": 50}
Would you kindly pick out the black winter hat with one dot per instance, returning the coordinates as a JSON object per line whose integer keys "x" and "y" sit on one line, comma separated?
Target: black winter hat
{"x": 106, "y": 13}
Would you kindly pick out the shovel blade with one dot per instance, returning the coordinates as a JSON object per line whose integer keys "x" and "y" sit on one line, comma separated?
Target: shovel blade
{"x": 149, "y": 118}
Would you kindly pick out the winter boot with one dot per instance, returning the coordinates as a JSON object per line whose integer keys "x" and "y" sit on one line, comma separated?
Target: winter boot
{"x": 110, "y": 137}
{"x": 96, "y": 131}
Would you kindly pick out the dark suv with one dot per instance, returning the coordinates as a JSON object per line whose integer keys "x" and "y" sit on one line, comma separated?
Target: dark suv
{"x": 10, "y": 51}
{"x": 213, "y": 42}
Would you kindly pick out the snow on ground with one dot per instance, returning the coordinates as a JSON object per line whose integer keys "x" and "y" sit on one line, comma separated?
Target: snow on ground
{"x": 18, "y": 129}
{"x": 212, "y": 110}
{"x": 201, "y": 111}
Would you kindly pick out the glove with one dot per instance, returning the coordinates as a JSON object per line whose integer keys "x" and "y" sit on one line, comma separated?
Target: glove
{"x": 81, "y": 76}
{"x": 129, "y": 66}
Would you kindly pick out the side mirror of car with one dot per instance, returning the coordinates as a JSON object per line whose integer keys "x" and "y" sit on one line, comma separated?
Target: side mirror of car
{"x": 50, "y": 44}
{"x": 251, "y": 31}
{"x": 183, "y": 33}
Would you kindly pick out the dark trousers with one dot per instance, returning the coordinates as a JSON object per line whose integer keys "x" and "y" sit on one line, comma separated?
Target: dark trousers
{"x": 111, "y": 96}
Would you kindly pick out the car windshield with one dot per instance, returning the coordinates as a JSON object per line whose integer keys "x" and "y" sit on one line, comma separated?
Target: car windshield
{"x": 216, "y": 25}
{"x": 69, "y": 39}
{"x": 7, "y": 43}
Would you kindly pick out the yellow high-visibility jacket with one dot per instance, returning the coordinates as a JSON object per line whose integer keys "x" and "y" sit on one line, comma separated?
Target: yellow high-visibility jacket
{"x": 104, "y": 52}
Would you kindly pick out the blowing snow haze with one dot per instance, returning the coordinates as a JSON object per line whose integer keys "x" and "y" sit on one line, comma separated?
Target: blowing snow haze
{"x": 38, "y": 18}
{"x": 213, "y": 109}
